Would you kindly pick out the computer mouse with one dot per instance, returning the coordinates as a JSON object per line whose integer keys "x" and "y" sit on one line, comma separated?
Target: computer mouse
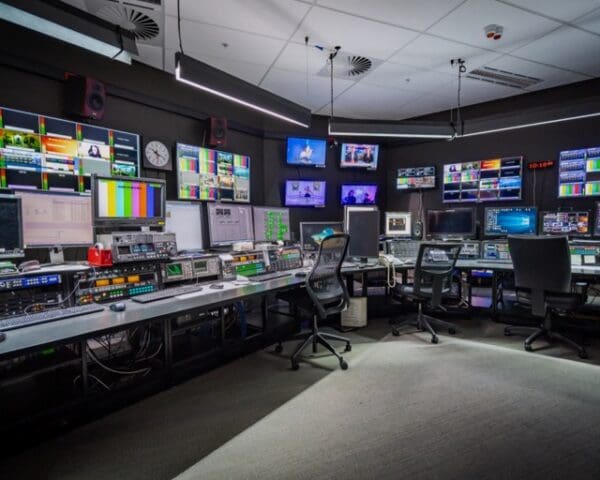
{"x": 118, "y": 307}
{"x": 2, "y": 336}
{"x": 217, "y": 286}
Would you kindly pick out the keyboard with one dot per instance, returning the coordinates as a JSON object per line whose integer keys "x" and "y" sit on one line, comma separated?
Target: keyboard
{"x": 269, "y": 276}
{"x": 20, "y": 321}
{"x": 166, "y": 293}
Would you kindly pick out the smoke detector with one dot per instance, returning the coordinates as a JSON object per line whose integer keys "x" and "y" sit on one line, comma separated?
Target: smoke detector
{"x": 493, "y": 31}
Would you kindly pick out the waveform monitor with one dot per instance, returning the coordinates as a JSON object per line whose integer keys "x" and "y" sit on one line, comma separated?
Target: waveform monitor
{"x": 398, "y": 224}
{"x": 229, "y": 223}
{"x": 271, "y": 224}
{"x": 510, "y": 221}
{"x": 11, "y": 232}
{"x": 127, "y": 201}
{"x": 185, "y": 221}
{"x": 313, "y": 233}
{"x": 565, "y": 223}
{"x": 451, "y": 223}
{"x": 56, "y": 220}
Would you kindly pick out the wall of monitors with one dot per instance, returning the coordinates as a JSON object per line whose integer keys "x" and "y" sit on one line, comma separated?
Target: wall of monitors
{"x": 205, "y": 174}
{"x": 414, "y": 178}
{"x": 483, "y": 180}
{"x": 47, "y": 153}
{"x": 579, "y": 173}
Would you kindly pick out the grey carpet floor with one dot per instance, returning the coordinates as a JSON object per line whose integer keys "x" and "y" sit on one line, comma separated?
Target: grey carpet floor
{"x": 408, "y": 409}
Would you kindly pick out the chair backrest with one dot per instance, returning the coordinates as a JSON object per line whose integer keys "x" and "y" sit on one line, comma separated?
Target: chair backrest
{"x": 542, "y": 265}
{"x": 324, "y": 283}
{"x": 434, "y": 269}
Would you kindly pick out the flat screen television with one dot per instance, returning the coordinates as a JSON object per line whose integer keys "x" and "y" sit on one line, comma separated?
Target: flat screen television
{"x": 308, "y": 152}
{"x": 415, "y": 178}
{"x": 359, "y": 155}
{"x": 483, "y": 180}
{"x": 359, "y": 194}
{"x": 451, "y": 223}
{"x": 579, "y": 173}
{"x": 572, "y": 223}
{"x": 500, "y": 221}
{"x": 305, "y": 193}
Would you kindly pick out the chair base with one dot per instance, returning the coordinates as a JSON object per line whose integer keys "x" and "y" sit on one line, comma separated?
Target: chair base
{"x": 424, "y": 322}
{"x": 543, "y": 331}
{"x": 316, "y": 338}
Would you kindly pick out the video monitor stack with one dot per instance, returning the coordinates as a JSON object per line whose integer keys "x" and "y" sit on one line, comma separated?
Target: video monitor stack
{"x": 483, "y": 181}
{"x": 572, "y": 223}
{"x": 510, "y": 221}
{"x": 271, "y": 224}
{"x": 415, "y": 178}
{"x": 579, "y": 173}
{"x": 206, "y": 174}
{"x": 47, "y": 153}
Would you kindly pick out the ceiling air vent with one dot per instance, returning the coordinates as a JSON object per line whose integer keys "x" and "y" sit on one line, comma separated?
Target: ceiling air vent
{"x": 502, "y": 77}
{"x": 140, "y": 24}
{"x": 347, "y": 65}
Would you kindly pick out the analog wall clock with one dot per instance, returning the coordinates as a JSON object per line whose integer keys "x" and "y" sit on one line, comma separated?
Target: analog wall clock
{"x": 157, "y": 156}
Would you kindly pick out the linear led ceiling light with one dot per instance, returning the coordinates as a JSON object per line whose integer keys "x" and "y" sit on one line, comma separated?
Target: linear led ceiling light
{"x": 212, "y": 80}
{"x": 71, "y": 25}
{"x": 441, "y": 131}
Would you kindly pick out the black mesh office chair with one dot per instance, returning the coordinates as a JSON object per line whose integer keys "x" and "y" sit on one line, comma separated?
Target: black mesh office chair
{"x": 325, "y": 294}
{"x": 432, "y": 281}
{"x": 542, "y": 268}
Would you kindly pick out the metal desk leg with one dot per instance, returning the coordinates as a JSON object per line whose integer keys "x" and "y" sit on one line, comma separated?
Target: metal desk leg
{"x": 222, "y": 323}
{"x": 494, "y": 295}
{"x": 168, "y": 342}
{"x": 84, "y": 368}
{"x": 350, "y": 284}
{"x": 365, "y": 288}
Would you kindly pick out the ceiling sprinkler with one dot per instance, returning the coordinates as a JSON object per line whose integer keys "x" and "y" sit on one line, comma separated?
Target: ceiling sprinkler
{"x": 493, "y": 31}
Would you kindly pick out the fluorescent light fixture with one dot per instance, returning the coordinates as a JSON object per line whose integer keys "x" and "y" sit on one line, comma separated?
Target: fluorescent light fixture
{"x": 440, "y": 131}
{"x": 533, "y": 124}
{"x": 72, "y": 26}
{"x": 212, "y": 80}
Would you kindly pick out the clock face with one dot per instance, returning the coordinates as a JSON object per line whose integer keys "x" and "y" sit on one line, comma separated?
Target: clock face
{"x": 157, "y": 154}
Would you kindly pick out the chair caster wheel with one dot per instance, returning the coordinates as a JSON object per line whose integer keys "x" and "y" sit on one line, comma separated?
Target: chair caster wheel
{"x": 434, "y": 340}
{"x": 343, "y": 365}
{"x": 348, "y": 348}
{"x": 527, "y": 347}
{"x": 583, "y": 355}
{"x": 295, "y": 366}
{"x": 395, "y": 332}
{"x": 279, "y": 349}
{"x": 452, "y": 331}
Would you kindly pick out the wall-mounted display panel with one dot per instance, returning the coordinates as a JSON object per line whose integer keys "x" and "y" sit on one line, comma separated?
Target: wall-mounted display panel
{"x": 579, "y": 173}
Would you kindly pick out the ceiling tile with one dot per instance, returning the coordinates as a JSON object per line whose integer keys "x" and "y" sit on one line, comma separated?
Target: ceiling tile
{"x": 207, "y": 40}
{"x": 250, "y": 72}
{"x": 294, "y": 56}
{"x": 427, "y": 104}
{"x": 466, "y": 24}
{"x": 415, "y": 14}
{"x": 434, "y": 53}
{"x": 372, "y": 101}
{"x": 292, "y": 86}
{"x": 550, "y": 76}
{"x": 561, "y": 9}
{"x": 150, "y": 55}
{"x": 356, "y": 35}
{"x": 277, "y": 18}
{"x": 590, "y": 22}
{"x": 567, "y": 48}
{"x": 407, "y": 78}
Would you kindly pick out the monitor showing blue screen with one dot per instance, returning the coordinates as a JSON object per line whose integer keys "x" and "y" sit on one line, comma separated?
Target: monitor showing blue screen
{"x": 359, "y": 194}
{"x": 306, "y": 152}
{"x": 510, "y": 221}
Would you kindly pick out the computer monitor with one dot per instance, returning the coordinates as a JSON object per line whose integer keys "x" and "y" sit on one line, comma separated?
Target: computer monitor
{"x": 185, "y": 221}
{"x": 398, "y": 224}
{"x": 306, "y": 151}
{"x": 359, "y": 155}
{"x": 51, "y": 219}
{"x": 359, "y": 194}
{"x": 271, "y": 224}
{"x": 305, "y": 193}
{"x": 500, "y": 221}
{"x": 123, "y": 201}
{"x": 362, "y": 224}
{"x": 11, "y": 231}
{"x": 229, "y": 223}
{"x": 572, "y": 223}
{"x": 451, "y": 223}
{"x": 313, "y": 233}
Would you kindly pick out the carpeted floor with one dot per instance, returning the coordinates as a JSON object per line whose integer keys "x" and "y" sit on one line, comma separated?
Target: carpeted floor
{"x": 404, "y": 409}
